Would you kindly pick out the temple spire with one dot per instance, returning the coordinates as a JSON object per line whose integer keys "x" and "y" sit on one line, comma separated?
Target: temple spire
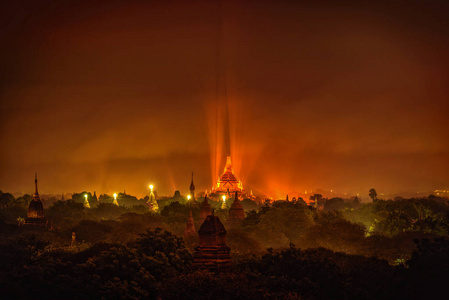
{"x": 35, "y": 214}
{"x": 192, "y": 189}
{"x": 228, "y": 163}
{"x": 192, "y": 186}
{"x": 35, "y": 184}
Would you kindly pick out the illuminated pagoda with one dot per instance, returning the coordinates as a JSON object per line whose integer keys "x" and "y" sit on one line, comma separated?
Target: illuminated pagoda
{"x": 86, "y": 203}
{"x": 152, "y": 203}
{"x": 212, "y": 252}
{"x": 228, "y": 182}
{"x": 236, "y": 212}
{"x": 35, "y": 215}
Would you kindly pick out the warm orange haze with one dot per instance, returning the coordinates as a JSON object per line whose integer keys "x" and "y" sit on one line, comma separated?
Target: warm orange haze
{"x": 117, "y": 95}
{"x": 224, "y": 149}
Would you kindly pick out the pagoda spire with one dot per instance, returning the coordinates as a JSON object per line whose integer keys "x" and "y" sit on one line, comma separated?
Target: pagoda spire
{"x": 228, "y": 163}
{"x": 35, "y": 214}
{"x": 192, "y": 186}
{"x": 192, "y": 189}
{"x": 35, "y": 184}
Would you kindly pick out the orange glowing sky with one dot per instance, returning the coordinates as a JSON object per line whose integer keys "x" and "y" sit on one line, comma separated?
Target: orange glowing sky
{"x": 114, "y": 95}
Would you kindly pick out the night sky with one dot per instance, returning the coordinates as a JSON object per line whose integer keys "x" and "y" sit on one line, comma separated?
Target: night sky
{"x": 114, "y": 95}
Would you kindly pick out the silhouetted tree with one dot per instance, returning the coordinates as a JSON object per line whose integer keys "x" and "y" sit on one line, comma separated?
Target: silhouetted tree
{"x": 6, "y": 200}
{"x": 373, "y": 194}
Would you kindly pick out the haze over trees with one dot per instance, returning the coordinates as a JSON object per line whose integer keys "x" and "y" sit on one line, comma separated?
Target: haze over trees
{"x": 343, "y": 249}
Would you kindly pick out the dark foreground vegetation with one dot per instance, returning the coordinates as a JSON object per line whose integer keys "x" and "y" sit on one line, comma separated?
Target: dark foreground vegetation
{"x": 158, "y": 264}
{"x": 347, "y": 250}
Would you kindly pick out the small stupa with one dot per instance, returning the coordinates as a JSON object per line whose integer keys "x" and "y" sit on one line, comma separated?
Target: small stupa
{"x": 35, "y": 215}
{"x": 236, "y": 212}
{"x": 205, "y": 209}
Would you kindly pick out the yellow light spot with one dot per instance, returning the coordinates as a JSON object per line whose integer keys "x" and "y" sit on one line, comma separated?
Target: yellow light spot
{"x": 151, "y": 187}
{"x": 115, "y": 196}
{"x": 188, "y": 197}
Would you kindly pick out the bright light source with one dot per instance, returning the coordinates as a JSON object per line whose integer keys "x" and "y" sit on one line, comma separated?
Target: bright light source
{"x": 85, "y": 196}
{"x": 151, "y": 187}
{"x": 224, "y": 198}
{"x": 188, "y": 197}
{"x": 115, "y": 196}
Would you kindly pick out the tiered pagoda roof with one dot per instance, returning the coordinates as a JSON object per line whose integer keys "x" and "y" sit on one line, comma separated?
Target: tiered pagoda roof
{"x": 228, "y": 181}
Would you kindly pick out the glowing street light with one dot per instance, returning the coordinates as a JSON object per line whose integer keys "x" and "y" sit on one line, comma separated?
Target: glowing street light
{"x": 85, "y": 196}
{"x": 115, "y": 196}
{"x": 188, "y": 197}
{"x": 151, "y": 187}
{"x": 224, "y": 198}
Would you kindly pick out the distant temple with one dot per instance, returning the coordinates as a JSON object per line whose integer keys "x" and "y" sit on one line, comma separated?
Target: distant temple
{"x": 228, "y": 182}
{"x": 152, "y": 203}
{"x": 212, "y": 252}
{"x": 236, "y": 212}
{"x": 205, "y": 209}
{"x": 35, "y": 215}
